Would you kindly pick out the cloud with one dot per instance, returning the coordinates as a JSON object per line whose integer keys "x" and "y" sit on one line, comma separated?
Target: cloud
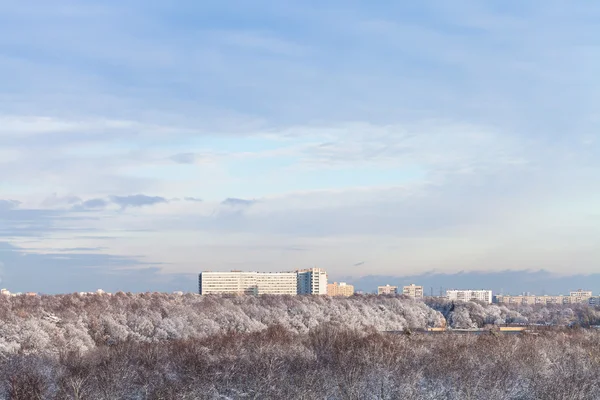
{"x": 38, "y": 223}
{"x": 184, "y": 158}
{"x": 65, "y": 272}
{"x": 436, "y": 138}
{"x": 58, "y": 201}
{"x": 91, "y": 204}
{"x": 138, "y": 200}
{"x": 8, "y": 204}
{"x": 233, "y": 202}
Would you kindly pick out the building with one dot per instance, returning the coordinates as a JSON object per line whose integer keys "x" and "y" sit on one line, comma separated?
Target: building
{"x": 577, "y": 297}
{"x": 387, "y": 289}
{"x": 580, "y": 296}
{"x": 523, "y": 299}
{"x": 340, "y": 289}
{"x": 413, "y": 291}
{"x": 276, "y": 283}
{"x": 247, "y": 283}
{"x": 312, "y": 281}
{"x": 470, "y": 295}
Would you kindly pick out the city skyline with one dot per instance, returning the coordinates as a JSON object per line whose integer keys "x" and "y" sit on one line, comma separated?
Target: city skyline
{"x": 387, "y": 143}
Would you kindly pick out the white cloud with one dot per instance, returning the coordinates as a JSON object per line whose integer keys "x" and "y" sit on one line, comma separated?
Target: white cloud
{"x": 494, "y": 108}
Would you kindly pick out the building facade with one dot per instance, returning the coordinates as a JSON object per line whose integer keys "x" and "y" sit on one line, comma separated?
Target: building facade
{"x": 312, "y": 281}
{"x": 580, "y": 296}
{"x": 340, "y": 289}
{"x": 470, "y": 295}
{"x": 576, "y": 297}
{"x": 387, "y": 289}
{"x": 413, "y": 291}
{"x": 247, "y": 283}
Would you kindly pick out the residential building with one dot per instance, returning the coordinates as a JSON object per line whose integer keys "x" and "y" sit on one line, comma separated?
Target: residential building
{"x": 247, "y": 283}
{"x": 5, "y": 292}
{"x": 340, "y": 289}
{"x": 276, "y": 283}
{"x": 413, "y": 291}
{"x": 387, "y": 289}
{"x": 580, "y": 296}
{"x": 312, "y": 281}
{"x": 470, "y": 295}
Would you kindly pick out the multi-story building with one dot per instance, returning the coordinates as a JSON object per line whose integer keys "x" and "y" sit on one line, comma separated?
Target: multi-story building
{"x": 413, "y": 291}
{"x": 312, "y": 281}
{"x": 594, "y": 301}
{"x": 387, "y": 289}
{"x": 580, "y": 296}
{"x": 470, "y": 295}
{"x": 250, "y": 283}
{"x": 276, "y": 283}
{"x": 340, "y": 289}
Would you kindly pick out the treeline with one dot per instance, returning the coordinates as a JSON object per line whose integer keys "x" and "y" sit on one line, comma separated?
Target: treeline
{"x": 51, "y": 324}
{"x": 478, "y": 315}
{"x": 329, "y": 362}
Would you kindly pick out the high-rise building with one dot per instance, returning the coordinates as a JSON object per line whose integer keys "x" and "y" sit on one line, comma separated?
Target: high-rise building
{"x": 340, "y": 289}
{"x": 250, "y": 283}
{"x": 312, "y": 281}
{"x": 413, "y": 291}
{"x": 470, "y": 295}
{"x": 387, "y": 289}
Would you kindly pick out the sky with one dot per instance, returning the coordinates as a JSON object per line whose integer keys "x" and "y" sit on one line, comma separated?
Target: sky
{"x": 142, "y": 142}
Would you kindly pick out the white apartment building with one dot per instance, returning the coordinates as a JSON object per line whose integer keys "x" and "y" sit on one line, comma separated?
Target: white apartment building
{"x": 580, "y": 296}
{"x": 276, "y": 283}
{"x": 470, "y": 295}
{"x": 413, "y": 291}
{"x": 249, "y": 283}
{"x": 312, "y": 281}
{"x": 387, "y": 289}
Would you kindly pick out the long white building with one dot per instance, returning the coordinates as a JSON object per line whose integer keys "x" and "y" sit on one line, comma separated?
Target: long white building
{"x": 251, "y": 283}
{"x": 312, "y": 281}
{"x": 470, "y": 295}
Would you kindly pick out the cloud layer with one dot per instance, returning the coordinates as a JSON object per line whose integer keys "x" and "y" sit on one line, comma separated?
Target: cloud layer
{"x": 367, "y": 138}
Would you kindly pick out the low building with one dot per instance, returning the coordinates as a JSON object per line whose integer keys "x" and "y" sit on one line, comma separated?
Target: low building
{"x": 413, "y": 291}
{"x": 387, "y": 289}
{"x": 469, "y": 295}
{"x": 576, "y": 297}
{"x": 340, "y": 289}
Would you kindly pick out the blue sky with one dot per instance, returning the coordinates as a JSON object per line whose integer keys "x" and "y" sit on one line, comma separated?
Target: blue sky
{"x": 410, "y": 138}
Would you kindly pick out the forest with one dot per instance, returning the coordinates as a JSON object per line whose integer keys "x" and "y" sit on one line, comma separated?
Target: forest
{"x": 167, "y": 346}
